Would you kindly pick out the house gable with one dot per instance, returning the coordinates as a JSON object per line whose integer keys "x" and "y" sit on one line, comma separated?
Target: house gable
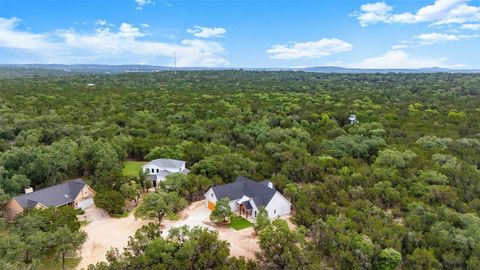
{"x": 11, "y": 209}
{"x": 86, "y": 192}
{"x": 278, "y": 206}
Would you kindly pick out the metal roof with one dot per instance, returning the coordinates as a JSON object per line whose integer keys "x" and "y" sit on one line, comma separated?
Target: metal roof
{"x": 166, "y": 163}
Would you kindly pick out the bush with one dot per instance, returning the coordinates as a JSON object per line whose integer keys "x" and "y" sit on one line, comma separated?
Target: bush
{"x": 111, "y": 201}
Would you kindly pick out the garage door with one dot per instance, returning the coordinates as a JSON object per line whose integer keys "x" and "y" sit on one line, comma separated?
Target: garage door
{"x": 211, "y": 205}
{"x": 84, "y": 204}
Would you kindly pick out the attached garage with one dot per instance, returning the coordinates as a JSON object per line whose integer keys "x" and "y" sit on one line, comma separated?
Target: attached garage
{"x": 86, "y": 203}
{"x": 211, "y": 205}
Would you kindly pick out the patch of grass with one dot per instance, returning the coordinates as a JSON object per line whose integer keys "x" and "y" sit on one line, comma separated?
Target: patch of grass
{"x": 131, "y": 168}
{"x": 173, "y": 216}
{"x": 56, "y": 263}
{"x": 83, "y": 223}
{"x": 124, "y": 215}
{"x": 239, "y": 223}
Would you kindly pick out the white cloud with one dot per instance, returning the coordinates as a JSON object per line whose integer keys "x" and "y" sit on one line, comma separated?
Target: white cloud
{"x": 310, "y": 49}
{"x": 373, "y": 13}
{"x": 101, "y": 22}
{"x": 142, "y": 3}
{"x": 399, "y": 46}
{"x": 470, "y": 26}
{"x": 11, "y": 38}
{"x": 206, "y": 32}
{"x": 441, "y": 12}
{"x": 126, "y": 44}
{"x": 431, "y": 38}
{"x": 399, "y": 59}
{"x": 128, "y": 31}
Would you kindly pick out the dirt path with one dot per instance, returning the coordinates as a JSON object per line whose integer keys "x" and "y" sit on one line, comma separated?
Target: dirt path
{"x": 105, "y": 232}
{"x": 242, "y": 243}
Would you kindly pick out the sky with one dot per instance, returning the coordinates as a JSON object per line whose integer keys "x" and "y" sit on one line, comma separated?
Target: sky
{"x": 243, "y": 33}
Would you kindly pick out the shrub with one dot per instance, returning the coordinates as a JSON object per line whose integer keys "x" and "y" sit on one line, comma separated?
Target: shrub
{"x": 111, "y": 201}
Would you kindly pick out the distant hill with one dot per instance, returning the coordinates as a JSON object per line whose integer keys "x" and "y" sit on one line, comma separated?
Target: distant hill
{"x": 58, "y": 69}
{"x": 361, "y": 70}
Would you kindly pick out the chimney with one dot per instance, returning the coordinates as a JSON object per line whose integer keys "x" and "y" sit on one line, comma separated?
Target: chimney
{"x": 270, "y": 185}
{"x": 28, "y": 190}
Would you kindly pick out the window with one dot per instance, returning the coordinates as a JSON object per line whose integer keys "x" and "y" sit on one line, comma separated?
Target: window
{"x": 158, "y": 170}
{"x": 255, "y": 212}
{"x": 211, "y": 194}
{"x": 275, "y": 211}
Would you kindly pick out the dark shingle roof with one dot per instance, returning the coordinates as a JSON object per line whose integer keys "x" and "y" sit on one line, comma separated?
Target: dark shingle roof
{"x": 259, "y": 192}
{"x": 248, "y": 205}
{"x": 57, "y": 195}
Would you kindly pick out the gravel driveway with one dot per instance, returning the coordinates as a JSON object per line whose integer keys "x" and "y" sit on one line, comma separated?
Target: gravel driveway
{"x": 105, "y": 232}
{"x": 242, "y": 243}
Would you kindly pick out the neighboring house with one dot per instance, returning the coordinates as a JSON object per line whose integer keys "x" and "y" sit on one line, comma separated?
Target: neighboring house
{"x": 74, "y": 193}
{"x": 352, "y": 119}
{"x": 247, "y": 196}
{"x": 158, "y": 169}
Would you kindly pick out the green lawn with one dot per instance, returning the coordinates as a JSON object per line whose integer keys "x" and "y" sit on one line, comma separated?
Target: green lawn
{"x": 55, "y": 263}
{"x": 131, "y": 168}
{"x": 124, "y": 215}
{"x": 239, "y": 223}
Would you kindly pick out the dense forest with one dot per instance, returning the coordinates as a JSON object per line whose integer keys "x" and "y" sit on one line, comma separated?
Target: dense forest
{"x": 400, "y": 188}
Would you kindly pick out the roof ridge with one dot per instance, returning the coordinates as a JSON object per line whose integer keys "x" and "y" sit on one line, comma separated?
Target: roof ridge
{"x": 54, "y": 195}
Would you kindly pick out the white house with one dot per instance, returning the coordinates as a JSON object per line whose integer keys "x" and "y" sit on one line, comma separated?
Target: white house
{"x": 352, "y": 119}
{"x": 247, "y": 196}
{"x": 158, "y": 169}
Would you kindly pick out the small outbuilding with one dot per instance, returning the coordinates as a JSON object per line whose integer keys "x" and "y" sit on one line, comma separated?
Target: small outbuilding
{"x": 352, "y": 119}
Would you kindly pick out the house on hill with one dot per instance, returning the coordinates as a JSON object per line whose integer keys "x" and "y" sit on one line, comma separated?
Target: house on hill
{"x": 158, "y": 169}
{"x": 247, "y": 196}
{"x": 74, "y": 193}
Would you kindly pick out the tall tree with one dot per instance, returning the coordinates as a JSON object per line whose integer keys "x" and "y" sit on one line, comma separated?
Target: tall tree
{"x": 283, "y": 248}
{"x": 222, "y": 211}
{"x": 388, "y": 259}
{"x": 158, "y": 204}
{"x": 67, "y": 240}
{"x": 262, "y": 221}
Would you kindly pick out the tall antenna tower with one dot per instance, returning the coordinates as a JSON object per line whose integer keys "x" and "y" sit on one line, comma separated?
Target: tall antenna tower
{"x": 174, "y": 62}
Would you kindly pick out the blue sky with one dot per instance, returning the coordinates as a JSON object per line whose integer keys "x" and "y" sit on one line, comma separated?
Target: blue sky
{"x": 243, "y": 33}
